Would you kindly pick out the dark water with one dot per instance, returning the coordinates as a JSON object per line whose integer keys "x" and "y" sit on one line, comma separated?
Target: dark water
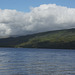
{"x": 18, "y": 61}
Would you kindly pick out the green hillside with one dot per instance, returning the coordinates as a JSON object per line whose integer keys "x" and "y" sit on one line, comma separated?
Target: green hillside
{"x": 60, "y": 39}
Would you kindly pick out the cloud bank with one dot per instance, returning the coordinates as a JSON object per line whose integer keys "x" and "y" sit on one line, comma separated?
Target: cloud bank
{"x": 46, "y": 17}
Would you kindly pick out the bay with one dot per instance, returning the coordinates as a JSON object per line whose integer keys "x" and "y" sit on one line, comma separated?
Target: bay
{"x": 28, "y": 61}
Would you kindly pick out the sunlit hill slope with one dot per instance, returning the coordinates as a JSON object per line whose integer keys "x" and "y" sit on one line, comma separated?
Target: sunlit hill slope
{"x": 59, "y": 39}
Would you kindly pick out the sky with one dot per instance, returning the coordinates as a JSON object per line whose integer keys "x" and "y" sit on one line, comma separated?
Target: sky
{"x": 25, "y": 5}
{"x": 23, "y": 17}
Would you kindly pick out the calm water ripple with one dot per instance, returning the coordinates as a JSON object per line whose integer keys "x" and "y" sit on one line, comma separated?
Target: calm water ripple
{"x": 20, "y": 61}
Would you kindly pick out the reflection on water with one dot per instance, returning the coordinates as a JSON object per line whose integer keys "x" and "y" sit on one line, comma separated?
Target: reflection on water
{"x": 18, "y": 61}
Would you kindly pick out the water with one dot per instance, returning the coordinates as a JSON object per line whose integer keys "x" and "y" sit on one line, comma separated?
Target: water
{"x": 20, "y": 61}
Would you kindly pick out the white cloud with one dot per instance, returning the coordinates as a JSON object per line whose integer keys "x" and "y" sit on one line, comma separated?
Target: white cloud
{"x": 46, "y": 17}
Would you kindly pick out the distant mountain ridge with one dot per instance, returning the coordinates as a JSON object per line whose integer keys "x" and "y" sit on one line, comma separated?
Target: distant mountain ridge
{"x": 58, "y": 39}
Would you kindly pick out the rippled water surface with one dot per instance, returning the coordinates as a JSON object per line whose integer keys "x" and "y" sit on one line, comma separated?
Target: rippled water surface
{"x": 20, "y": 61}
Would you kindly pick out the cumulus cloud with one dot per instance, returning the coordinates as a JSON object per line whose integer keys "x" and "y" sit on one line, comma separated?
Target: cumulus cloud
{"x": 46, "y": 17}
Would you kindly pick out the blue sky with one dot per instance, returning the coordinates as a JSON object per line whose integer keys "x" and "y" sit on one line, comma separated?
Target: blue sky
{"x": 24, "y": 5}
{"x": 46, "y": 15}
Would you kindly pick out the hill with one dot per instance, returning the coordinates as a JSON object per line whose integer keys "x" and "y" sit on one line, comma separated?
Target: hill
{"x": 59, "y": 39}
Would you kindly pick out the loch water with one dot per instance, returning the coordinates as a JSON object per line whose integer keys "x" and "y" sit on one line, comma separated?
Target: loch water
{"x": 25, "y": 61}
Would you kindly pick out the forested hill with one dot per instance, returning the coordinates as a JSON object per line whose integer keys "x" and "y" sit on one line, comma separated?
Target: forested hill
{"x": 59, "y": 39}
